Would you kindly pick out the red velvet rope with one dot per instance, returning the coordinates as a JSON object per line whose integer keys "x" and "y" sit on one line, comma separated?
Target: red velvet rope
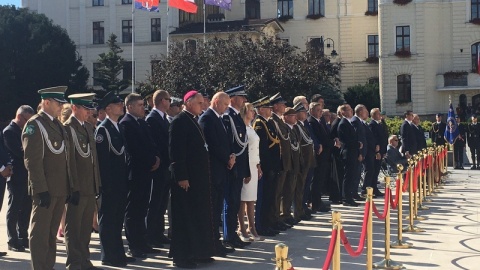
{"x": 361, "y": 243}
{"x": 331, "y": 249}
{"x": 416, "y": 173}
{"x": 405, "y": 182}
{"x": 385, "y": 208}
{"x": 397, "y": 194}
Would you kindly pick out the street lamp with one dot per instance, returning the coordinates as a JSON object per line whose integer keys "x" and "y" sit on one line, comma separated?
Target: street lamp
{"x": 326, "y": 42}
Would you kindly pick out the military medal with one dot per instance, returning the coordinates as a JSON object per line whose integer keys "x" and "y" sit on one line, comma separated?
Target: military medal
{"x": 240, "y": 135}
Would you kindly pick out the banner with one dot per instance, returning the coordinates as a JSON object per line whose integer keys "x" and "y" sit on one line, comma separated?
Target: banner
{"x": 225, "y": 4}
{"x": 451, "y": 132}
{"x": 149, "y": 5}
{"x": 185, "y": 5}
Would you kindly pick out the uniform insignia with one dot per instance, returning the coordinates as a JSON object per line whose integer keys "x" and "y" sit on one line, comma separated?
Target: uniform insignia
{"x": 84, "y": 145}
{"x": 55, "y": 144}
{"x": 99, "y": 138}
{"x": 240, "y": 135}
{"x": 29, "y": 129}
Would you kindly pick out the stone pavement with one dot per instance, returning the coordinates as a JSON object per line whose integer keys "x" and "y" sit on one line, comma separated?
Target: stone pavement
{"x": 451, "y": 239}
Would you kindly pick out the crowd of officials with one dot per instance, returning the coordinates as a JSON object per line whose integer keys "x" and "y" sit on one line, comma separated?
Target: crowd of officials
{"x": 215, "y": 161}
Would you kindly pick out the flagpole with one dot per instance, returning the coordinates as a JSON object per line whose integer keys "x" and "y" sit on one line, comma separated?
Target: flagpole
{"x": 204, "y": 24}
{"x": 133, "y": 46}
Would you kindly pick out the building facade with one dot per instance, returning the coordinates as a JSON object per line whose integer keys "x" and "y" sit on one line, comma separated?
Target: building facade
{"x": 419, "y": 51}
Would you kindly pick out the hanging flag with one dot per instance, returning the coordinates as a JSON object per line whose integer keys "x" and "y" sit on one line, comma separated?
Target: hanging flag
{"x": 451, "y": 132}
{"x": 150, "y": 5}
{"x": 225, "y": 4}
{"x": 185, "y": 5}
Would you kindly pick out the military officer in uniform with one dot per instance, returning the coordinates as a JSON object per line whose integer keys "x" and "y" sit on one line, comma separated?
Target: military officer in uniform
{"x": 48, "y": 160}
{"x": 112, "y": 164}
{"x": 438, "y": 130}
{"x": 473, "y": 140}
{"x": 86, "y": 183}
{"x": 241, "y": 170}
{"x": 459, "y": 145}
{"x": 270, "y": 162}
{"x": 283, "y": 132}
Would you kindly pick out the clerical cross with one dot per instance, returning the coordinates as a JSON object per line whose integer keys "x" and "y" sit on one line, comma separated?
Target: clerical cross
{"x": 206, "y": 146}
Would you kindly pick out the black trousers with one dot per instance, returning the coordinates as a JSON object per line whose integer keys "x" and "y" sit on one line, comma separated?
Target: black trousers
{"x": 136, "y": 211}
{"x": 233, "y": 189}
{"x": 157, "y": 207}
{"x": 111, "y": 214}
{"x": 458, "y": 149}
{"x": 474, "y": 152}
{"x": 321, "y": 177}
{"x": 369, "y": 180}
{"x": 266, "y": 201}
{"x": 18, "y": 212}
{"x": 350, "y": 176}
{"x": 217, "y": 205}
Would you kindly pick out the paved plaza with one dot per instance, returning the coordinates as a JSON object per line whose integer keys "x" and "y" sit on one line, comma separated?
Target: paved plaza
{"x": 451, "y": 239}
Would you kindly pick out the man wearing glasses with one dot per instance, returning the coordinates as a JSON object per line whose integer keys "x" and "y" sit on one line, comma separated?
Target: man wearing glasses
{"x": 393, "y": 156}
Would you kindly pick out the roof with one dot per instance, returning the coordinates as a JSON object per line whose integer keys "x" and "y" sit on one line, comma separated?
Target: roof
{"x": 227, "y": 26}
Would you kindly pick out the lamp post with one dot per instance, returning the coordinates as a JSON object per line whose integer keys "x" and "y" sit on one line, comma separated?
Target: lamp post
{"x": 326, "y": 42}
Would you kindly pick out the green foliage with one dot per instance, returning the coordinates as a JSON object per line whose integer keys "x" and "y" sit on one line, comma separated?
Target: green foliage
{"x": 264, "y": 66}
{"x": 394, "y": 124}
{"x": 111, "y": 64}
{"x": 34, "y": 54}
{"x": 368, "y": 95}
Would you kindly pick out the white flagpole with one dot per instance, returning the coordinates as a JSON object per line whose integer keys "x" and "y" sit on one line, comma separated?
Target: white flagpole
{"x": 204, "y": 24}
{"x": 133, "y": 46}
{"x": 168, "y": 26}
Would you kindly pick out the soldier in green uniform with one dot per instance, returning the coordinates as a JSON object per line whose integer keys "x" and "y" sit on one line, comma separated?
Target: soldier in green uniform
{"x": 48, "y": 162}
{"x": 86, "y": 183}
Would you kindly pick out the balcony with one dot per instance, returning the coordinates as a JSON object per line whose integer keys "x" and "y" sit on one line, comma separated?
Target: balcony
{"x": 457, "y": 81}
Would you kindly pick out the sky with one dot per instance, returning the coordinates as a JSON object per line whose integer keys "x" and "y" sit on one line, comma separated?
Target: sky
{"x": 17, "y": 3}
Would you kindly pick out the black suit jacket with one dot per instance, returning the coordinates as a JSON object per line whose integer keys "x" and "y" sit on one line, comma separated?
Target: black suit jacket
{"x": 349, "y": 139}
{"x": 12, "y": 139}
{"x": 420, "y": 138}
{"x": 219, "y": 144}
{"x": 361, "y": 134}
{"x": 159, "y": 130}
{"x": 4, "y": 158}
{"x": 242, "y": 167}
{"x": 323, "y": 137}
{"x": 140, "y": 146}
{"x": 269, "y": 150}
{"x": 409, "y": 142}
{"x": 380, "y": 135}
{"x": 371, "y": 140}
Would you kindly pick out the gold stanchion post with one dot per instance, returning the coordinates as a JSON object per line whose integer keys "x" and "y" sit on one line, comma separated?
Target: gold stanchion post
{"x": 282, "y": 262}
{"x": 387, "y": 263}
{"x": 414, "y": 180}
{"x": 440, "y": 167}
{"x": 337, "y": 225}
{"x": 399, "y": 243}
{"x": 431, "y": 171}
{"x": 411, "y": 198}
{"x": 370, "y": 229}
{"x": 421, "y": 183}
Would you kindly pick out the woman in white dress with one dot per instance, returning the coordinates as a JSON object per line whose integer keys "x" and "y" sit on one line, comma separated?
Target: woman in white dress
{"x": 249, "y": 189}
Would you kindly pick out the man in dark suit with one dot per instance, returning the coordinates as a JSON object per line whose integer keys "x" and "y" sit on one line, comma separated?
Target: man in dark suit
{"x": 241, "y": 169}
{"x": 362, "y": 137}
{"x": 142, "y": 161}
{"x": 393, "y": 156}
{"x": 438, "y": 130}
{"x": 419, "y": 133}
{"x": 222, "y": 157}
{"x": 19, "y": 203}
{"x": 350, "y": 153}
{"x": 459, "y": 145}
{"x": 159, "y": 125}
{"x": 111, "y": 143}
{"x": 337, "y": 165}
{"x": 322, "y": 156}
{"x": 381, "y": 137}
{"x": 473, "y": 141}
{"x": 409, "y": 142}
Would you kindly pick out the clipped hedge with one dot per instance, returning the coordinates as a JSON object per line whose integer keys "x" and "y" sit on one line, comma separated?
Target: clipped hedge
{"x": 394, "y": 124}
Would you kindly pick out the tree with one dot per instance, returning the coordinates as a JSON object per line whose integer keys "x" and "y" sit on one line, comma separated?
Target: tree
{"x": 111, "y": 64}
{"x": 34, "y": 54}
{"x": 265, "y": 66}
{"x": 368, "y": 95}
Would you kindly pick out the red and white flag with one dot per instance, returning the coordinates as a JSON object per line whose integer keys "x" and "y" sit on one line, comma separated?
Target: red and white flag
{"x": 185, "y": 5}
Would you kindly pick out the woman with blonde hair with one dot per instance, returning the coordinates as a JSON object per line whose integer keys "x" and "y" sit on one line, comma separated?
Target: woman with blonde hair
{"x": 249, "y": 189}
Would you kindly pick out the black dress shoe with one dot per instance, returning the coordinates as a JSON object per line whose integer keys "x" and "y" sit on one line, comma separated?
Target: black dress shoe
{"x": 114, "y": 264}
{"x": 130, "y": 259}
{"x": 279, "y": 227}
{"x": 357, "y": 197}
{"x": 305, "y": 217}
{"x": 286, "y": 224}
{"x": 290, "y": 221}
{"x": 324, "y": 208}
{"x": 155, "y": 244}
{"x": 350, "y": 202}
{"x": 188, "y": 264}
{"x": 267, "y": 232}
{"x": 204, "y": 260}
{"x": 378, "y": 193}
{"x": 16, "y": 248}
{"x": 149, "y": 250}
{"x": 164, "y": 240}
{"x": 94, "y": 268}
{"x": 3, "y": 253}
{"x": 137, "y": 253}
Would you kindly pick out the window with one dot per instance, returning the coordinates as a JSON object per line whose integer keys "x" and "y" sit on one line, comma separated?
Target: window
{"x": 404, "y": 88}
{"x": 252, "y": 9}
{"x": 191, "y": 45}
{"x": 475, "y": 9}
{"x": 97, "y": 3}
{"x": 403, "y": 38}
{"x": 156, "y": 30}
{"x": 285, "y": 8}
{"x": 373, "y": 46}
{"x": 127, "y": 70}
{"x": 126, "y": 2}
{"x": 372, "y": 6}
{"x": 316, "y": 7}
{"x": 455, "y": 79}
{"x": 96, "y": 74}
{"x": 475, "y": 57}
{"x": 98, "y": 33}
{"x": 316, "y": 45}
{"x": 127, "y": 31}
